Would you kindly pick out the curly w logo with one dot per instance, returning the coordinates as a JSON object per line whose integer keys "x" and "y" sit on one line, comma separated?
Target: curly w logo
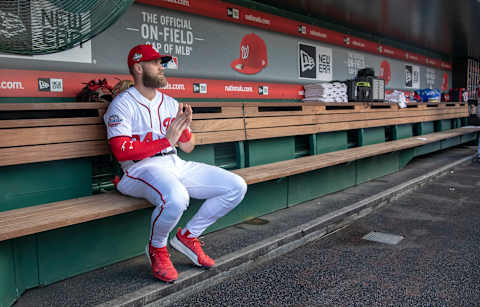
{"x": 245, "y": 51}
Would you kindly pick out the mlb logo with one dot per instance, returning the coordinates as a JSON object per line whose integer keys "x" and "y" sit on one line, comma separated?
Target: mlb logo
{"x": 233, "y": 12}
{"x": 200, "y": 88}
{"x": 56, "y": 85}
{"x": 263, "y": 90}
{"x": 173, "y": 63}
{"x": 44, "y": 85}
{"x": 302, "y": 29}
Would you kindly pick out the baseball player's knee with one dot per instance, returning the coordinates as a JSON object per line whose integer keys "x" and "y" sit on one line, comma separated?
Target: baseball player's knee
{"x": 175, "y": 206}
{"x": 179, "y": 200}
{"x": 172, "y": 213}
{"x": 238, "y": 189}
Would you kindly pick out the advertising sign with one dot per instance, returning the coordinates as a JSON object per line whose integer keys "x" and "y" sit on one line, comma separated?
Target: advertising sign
{"x": 412, "y": 76}
{"x": 307, "y": 64}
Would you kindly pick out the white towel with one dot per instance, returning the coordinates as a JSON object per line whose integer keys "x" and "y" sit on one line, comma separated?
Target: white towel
{"x": 326, "y": 92}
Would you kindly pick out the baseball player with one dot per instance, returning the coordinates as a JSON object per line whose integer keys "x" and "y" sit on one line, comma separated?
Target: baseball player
{"x": 144, "y": 128}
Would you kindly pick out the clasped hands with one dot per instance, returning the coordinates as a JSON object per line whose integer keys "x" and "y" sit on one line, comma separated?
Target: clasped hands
{"x": 181, "y": 122}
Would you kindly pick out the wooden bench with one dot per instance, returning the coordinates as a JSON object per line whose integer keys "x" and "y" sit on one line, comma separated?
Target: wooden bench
{"x": 271, "y": 120}
{"x": 37, "y": 132}
{"x": 40, "y": 132}
{"x": 76, "y": 130}
{"x": 281, "y": 169}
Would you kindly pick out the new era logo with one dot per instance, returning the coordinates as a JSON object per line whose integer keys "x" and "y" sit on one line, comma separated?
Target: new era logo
{"x": 50, "y": 85}
{"x": 307, "y": 62}
{"x": 263, "y": 90}
{"x": 234, "y": 13}
{"x": 200, "y": 88}
{"x": 44, "y": 85}
{"x": 302, "y": 29}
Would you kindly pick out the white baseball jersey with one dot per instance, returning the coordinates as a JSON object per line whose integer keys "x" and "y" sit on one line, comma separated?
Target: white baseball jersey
{"x": 131, "y": 114}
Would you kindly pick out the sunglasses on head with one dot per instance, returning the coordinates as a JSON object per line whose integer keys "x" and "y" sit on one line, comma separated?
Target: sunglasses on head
{"x": 164, "y": 64}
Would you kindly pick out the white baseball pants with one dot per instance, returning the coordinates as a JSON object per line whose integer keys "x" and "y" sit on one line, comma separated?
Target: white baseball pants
{"x": 168, "y": 182}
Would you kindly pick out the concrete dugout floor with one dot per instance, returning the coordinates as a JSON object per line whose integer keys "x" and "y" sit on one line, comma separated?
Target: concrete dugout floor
{"x": 347, "y": 266}
{"x": 436, "y": 264}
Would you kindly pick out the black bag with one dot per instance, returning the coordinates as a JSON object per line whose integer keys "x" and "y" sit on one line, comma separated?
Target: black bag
{"x": 359, "y": 90}
{"x": 364, "y": 90}
{"x": 366, "y": 72}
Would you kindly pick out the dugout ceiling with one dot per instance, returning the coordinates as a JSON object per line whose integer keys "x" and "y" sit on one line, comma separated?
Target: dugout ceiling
{"x": 444, "y": 27}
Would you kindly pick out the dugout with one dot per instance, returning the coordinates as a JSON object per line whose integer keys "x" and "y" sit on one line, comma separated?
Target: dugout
{"x": 252, "y": 55}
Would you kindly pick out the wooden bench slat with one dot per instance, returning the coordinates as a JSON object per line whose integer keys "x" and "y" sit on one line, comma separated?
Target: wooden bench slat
{"x": 278, "y": 121}
{"x": 261, "y": 133}
{"x": 6, "y": 216}
{"x": 203, "y": 110}
{"x": 216, "y": 104}
{"x": 207, "y": 125}
{"x": 226, "y": 112}
{"x": 281, "y": 169}
{"x": 91, "y": 208}
{"x": 52, "y": 106}
{"x": 219, "y": 137}
{"x": 96, "y": 207}
{"x": 52, "y": 152}
{"x": 47, "y": 135}
{"x": 252, "y": 110}
{"x": 101, "y": 201}
{"x": 45, "y": 122}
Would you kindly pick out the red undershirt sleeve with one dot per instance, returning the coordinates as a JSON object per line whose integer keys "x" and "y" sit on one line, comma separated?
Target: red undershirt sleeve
{"x": 125, "y": 148}
{"x": 186, "y": 136}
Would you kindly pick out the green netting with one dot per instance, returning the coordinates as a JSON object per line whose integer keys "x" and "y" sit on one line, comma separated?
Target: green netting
{"x": 46, "y": 26}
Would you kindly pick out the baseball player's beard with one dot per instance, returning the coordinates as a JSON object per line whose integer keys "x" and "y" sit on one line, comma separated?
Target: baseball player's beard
{"x": 153, "y": 81}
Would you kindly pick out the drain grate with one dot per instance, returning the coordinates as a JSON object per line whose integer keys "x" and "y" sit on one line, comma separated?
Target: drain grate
{"x": 256, "y": 221}
{"x": 382, "y": 237}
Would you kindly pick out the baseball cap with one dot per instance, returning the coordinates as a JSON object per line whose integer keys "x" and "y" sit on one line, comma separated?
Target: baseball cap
{"x": 253, "y": 55}
{"x": 143, "y": 53}
{"x": 444, "y": 82}
{"x": 385, "y": 72}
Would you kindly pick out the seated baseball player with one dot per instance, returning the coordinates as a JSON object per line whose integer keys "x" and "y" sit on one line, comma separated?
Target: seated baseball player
{"x": 144, "y": 128}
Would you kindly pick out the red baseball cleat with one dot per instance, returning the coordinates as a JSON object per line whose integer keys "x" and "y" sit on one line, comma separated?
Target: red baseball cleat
{"x": 192, "y": 248}
{"x": 162, "y": 267}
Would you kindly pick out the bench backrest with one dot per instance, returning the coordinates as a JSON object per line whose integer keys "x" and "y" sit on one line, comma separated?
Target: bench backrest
{"x": 37, "y": 132}
{"x": 274, "y": 120}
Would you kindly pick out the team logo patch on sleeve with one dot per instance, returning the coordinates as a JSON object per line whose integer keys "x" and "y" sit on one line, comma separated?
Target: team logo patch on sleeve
{"x": 114, "y": 121}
